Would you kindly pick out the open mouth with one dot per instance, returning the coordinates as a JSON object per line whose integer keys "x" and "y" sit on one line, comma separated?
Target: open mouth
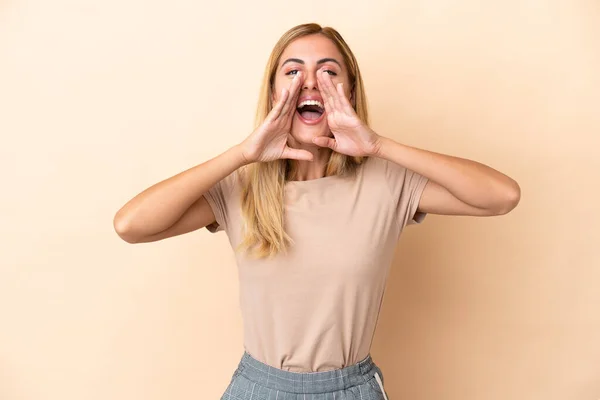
{"x": 311, "y": 111}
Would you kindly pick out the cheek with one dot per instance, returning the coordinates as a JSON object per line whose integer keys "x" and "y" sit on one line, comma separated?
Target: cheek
{"x": 337, "y": 80}
{"x": 276, "y": 91}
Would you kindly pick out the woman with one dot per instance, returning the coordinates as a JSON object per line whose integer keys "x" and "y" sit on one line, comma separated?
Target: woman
{"x": 313, "y": 202}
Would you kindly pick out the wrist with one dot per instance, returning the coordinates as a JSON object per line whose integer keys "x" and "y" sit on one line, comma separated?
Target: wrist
{"x": 241, "y": 155}
{"x": 381, "y": 146}
{"x": 378, "y": 142}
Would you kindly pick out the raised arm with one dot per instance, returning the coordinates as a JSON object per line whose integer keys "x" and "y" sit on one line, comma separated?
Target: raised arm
{"x": 177, "y": 205}
{"x": 456, "y": 186}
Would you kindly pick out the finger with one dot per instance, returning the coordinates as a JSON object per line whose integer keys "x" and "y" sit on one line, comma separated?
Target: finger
{"x": 324, "y": 96}
{"x": 326, "y": 104}
{"x": 296, "y": 94}
{"x": 323, "y": 86}
{"x": 297, "y": 84}
{"x": 297, "y": 154}
{"x": 293, "y": 97}
{"x": 325, "y": 141}
{"x": 276, "y": 110}
{"x": 327, "y": 100}
{"x": 321, "y": 83}
{"x": 332, "y": 93}
{"x": 344, "y": 102}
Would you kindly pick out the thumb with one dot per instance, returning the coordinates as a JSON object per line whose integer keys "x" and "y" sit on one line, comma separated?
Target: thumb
{"x": 325, "y": 141}
{"x": 297, "y": 154}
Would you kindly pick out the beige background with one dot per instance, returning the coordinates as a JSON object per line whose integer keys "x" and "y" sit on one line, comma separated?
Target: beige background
{"x": 99, "y": 100}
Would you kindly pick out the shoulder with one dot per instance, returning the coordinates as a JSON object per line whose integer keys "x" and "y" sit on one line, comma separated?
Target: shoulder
{"x": 375, "y": 166}
{"x": 397, "y": 177}
{"x": 233, "y": 181}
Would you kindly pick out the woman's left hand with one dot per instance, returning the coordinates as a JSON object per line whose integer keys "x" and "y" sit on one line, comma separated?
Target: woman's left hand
{"x": 351, "y": 136}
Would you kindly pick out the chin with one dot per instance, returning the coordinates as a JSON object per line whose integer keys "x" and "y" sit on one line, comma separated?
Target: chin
{"x": 304, "y": 133}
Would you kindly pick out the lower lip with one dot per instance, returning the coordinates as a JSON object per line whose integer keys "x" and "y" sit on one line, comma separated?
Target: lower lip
{"x": 310, "y": 121}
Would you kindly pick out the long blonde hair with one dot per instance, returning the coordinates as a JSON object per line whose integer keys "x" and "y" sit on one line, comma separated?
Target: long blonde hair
{"x": 263, "y": 184}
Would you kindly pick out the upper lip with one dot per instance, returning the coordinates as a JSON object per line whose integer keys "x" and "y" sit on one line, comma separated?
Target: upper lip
{"x": 311, "y": 97}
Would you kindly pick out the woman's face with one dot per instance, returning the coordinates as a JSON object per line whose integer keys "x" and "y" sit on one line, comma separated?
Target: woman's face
{"x": 310, "y": 54}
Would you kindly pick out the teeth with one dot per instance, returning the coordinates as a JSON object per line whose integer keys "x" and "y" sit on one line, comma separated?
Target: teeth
{"x": 311, "y": 103}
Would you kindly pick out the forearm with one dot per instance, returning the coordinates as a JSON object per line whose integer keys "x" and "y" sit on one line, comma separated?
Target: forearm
{"x": 471, "y": 182}
{"x": 162, "y": 204}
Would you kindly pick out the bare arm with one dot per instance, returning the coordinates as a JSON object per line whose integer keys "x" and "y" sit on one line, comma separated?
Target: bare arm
{"x": 175, "y": 205}
{"x": 457, "y": 186}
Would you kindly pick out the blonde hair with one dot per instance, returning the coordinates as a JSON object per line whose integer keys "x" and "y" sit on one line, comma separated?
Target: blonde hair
{"x": 263, "y": 184}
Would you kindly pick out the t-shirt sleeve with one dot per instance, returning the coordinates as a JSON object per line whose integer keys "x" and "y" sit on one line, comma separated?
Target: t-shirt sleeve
{"x": 218, "y": 198}
{"x": 406, "y": 187}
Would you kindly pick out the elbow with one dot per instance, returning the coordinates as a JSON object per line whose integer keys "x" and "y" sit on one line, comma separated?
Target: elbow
{"x": 511, "y": 198}
{"x": 122, "y": 228}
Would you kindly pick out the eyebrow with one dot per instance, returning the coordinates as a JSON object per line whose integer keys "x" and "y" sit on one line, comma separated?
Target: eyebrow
{"x": 321, "y": 61}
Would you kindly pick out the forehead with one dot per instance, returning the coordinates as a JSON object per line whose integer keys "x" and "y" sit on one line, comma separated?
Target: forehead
{"x": 310, "y": 49}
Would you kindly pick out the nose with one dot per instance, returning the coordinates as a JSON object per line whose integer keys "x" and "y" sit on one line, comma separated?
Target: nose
{"x": 310, "y": 81}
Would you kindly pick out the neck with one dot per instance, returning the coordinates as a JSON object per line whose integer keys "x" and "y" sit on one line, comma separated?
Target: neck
{"x": 307, "y": 170}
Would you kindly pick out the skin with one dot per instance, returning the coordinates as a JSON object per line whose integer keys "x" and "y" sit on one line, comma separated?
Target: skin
{"x": 310, "y": 50}
{"x": 456, "y": 186}
{"x": 283, "y": 135}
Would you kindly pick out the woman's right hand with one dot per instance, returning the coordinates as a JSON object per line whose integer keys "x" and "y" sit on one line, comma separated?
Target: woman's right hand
{"x": 270, "y": 140}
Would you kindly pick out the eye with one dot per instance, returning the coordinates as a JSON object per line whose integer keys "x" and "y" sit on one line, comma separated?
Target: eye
{"x": 330, "y": 72}
{"x": 292, "y": 72}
